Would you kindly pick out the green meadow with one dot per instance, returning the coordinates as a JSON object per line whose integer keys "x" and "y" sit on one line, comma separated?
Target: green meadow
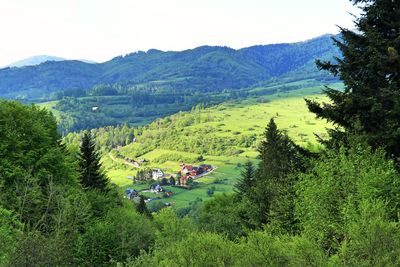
{"x": 186, "y": 136}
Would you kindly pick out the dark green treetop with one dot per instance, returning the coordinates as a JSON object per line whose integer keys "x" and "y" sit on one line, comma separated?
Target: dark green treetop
{"x": 89, "y": 165}
{"x": 246, "y": 180}
{"x": 369, "y": 69}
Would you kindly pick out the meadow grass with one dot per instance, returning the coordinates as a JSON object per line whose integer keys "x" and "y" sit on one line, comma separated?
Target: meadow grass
{"x": 232, "y": 119}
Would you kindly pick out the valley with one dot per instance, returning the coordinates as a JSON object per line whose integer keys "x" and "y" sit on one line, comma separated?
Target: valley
{"x": 268, "y": 152}
{"x": 225, "y": 136}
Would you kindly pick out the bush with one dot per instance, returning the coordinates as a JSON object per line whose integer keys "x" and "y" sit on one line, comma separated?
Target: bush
{"x": 122, "y": 234}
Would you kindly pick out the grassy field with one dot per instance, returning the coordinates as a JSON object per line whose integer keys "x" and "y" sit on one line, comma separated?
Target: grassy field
{"x": 51, "y": 107}
{"x": 233, "y": 120}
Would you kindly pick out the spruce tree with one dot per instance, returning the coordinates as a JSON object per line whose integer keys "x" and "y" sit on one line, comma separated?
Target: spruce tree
{"x": 142, "y": 208}
{"x": 246, "y": 181}
{"x": 370, "y": 70}
{"x": 89, "y": 165}
{"x": 273, "y": 193}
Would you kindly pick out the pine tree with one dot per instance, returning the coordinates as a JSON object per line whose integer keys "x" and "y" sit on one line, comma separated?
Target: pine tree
{"x": 273, "y": 191}
{"x": 142, "y": 208}
{"x": 246, "y": 181}
{"x": 369, "y": 69}
{"x": 89, "y": 165}
{"x": 279, "y": 155}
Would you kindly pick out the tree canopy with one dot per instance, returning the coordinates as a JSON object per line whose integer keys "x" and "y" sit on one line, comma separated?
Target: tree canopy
{"x": 92, "y": 176}
{"x": 369, "y": 69}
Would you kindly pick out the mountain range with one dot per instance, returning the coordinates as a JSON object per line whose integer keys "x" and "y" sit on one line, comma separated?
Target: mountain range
{"x": 202, "y": 69}
{"x": 33, "y": 61}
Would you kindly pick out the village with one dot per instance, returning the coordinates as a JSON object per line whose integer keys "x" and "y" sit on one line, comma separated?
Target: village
{"x": 184, "y": 178}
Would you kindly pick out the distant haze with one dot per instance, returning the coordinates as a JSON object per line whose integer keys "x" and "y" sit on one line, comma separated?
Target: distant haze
{"x": 35, "y": 60}
{"x": 101, "y": 29}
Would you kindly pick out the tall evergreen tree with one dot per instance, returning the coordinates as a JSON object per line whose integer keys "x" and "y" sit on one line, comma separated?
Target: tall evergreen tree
{"x": 370, "y": 71}
{"x": 273, "y": 192}
{"x": 90, "y": 167}
{"x": 142, "y": 208}
{"x": 246, "y": 181}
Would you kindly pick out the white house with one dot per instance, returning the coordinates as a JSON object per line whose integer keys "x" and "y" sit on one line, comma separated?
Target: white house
{"x": 157, "y": 174}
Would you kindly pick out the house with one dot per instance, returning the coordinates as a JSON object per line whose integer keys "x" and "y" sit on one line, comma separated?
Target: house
{"x": 185, "y": 169}
{"x": 188, "y": 170}
{"x": 183, "y": 180}
{"x": 156, "y": 188}
{"x": 131, "y": 193}
{"x": 157, "y": 174}
{"x": 206, "y": 167}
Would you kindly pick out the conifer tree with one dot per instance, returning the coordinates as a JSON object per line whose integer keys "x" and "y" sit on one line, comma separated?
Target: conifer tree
{"x": 89, "y": 165}
{"x": 273, "y": 190}
{"x": 370, "y": 70}
{"x": 246, "y": 181}
{"x": 142, "y": 208}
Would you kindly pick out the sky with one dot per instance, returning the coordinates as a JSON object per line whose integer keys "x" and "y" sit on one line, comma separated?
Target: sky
{"x": 99, "y": 30}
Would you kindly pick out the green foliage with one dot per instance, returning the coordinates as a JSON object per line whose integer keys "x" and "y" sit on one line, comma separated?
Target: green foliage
{"x": 101, "y": 202}
{"x": 371, "y": 240}
{"x": 142, "y": 208}
{"x": 198, "y": 249}
{"x": 105, "y": 138}
{"x": 10, "y": 232}
{"x": 117, "y": 237}
{"x": 171, "y": 228}
{"x": 259, "y": 249}
{"x": 246, "y": 181}
{"x": 336, "y": 188}
{"x": 91, "y": 175}
{"x": 144, "y": 175}
{"x": 369, "y": 70}
{"x": 35, "y": 170}
{"x": 222, "y": 215}
{"x": 272, "y": 192}
{"x": 37, "y": 249}
{"x": 265, "y": 249}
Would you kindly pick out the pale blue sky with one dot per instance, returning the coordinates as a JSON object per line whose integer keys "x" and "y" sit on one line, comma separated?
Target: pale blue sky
{"x": 101, "y": 29}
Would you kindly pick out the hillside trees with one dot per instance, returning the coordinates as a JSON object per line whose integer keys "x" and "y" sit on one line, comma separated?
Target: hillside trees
{"x": 246, "y": 180}
{"x": 272, "y": 194}
{"x": 349, "y": 194}
{"x": 91, "y": 175}
{"x": 35, "y": 172}
{"x": 369, "y": 68}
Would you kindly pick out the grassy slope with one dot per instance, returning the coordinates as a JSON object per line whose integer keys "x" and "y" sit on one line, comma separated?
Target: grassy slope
{"x": 229, "y": 120}
{"x": 74, "y": 114}
{"x": 50, "y": 105}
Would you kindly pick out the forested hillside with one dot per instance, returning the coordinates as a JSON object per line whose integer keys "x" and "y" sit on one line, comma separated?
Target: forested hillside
{"x": 203, "y": 69}
{"x": 143, "y": 86}
{"x": 293, "y": 202}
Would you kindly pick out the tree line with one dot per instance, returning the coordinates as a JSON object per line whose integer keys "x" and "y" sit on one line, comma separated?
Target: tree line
{"x": 337, "y": 207}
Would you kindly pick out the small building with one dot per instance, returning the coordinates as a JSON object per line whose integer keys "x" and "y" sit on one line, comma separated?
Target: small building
{"x": 190, "y": 171}
{"x": 156, "y": 188}
{"x": 183, "y": 180}
{"x": 157, "y": 174}
{"x": 206, "y": 167}
{"x": 131, "y": 193}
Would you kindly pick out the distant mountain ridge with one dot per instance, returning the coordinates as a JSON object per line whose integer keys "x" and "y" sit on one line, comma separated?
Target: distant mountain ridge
{"x": 33, "y": 61}
{"x": 203, "y": 69}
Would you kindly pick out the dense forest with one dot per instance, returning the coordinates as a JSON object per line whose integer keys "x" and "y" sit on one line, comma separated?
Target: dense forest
{"x": 141, "y": 87}
{"x": 106, "y": 105}
{"x": 202, "y": 69}
{"x": 335, "y": 207}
